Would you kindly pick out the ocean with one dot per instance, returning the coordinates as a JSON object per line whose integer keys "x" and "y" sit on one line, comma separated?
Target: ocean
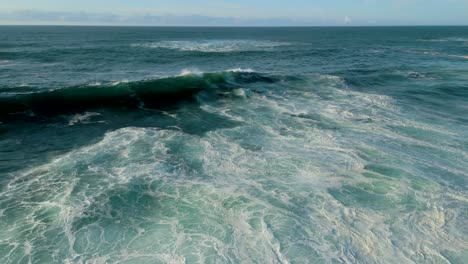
{"x": 233, "y": 145}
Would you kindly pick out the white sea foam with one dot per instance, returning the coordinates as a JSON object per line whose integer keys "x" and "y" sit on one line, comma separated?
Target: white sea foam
{"x": 83, "y": 118}
{"x": 96, "y": 84}
{"x": 239, "y": 92}
{"x": 118, "y": 82}
{"x": 414, "y": 75}
{"x": 459, "y": 56}
{"x": 199, "y": 72}
{"x": 291, "y": 183}
{"x": 190, "y": 72}
{"x": 248, "y": 70}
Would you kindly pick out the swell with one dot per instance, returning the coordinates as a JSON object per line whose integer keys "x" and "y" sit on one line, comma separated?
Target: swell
{"x": 157, "y": 93}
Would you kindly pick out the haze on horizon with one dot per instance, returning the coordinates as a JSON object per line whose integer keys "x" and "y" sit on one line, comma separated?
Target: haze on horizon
{"x": 235, "y": 12}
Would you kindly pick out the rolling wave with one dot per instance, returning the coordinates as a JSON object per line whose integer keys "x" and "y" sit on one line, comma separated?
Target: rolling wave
{"x": 157, "y": 93}
{"x": 450, "y": 39}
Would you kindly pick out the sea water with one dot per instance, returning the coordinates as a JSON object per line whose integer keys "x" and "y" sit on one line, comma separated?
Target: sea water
{"x": 233, "y": 145}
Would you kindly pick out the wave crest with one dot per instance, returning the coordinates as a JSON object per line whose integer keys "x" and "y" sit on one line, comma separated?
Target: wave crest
{"x": 156, "y": 93}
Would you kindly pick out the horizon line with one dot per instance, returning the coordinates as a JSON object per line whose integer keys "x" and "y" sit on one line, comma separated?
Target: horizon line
{"x": 232, "y": 26}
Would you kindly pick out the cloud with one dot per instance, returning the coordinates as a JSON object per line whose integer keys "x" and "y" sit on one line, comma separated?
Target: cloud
{"x": 347, "y": 20}
{"x": 34, "y": 17}
{"x": 39, "y": 17}
{"x": 25, "y": 16}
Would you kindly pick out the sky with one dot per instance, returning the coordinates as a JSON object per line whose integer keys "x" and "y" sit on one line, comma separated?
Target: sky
{"x": 234, "y": 12}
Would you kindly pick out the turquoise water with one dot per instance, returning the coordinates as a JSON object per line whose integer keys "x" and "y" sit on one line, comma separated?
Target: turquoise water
{"x": 233, "y": 145}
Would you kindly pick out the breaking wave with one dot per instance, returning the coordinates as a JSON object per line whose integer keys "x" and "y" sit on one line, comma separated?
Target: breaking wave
{"x": 157, "y": 93}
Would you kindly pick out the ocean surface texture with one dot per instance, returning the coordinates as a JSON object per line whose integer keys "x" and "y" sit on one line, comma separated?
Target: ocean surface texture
{"x": 233, "y": 145}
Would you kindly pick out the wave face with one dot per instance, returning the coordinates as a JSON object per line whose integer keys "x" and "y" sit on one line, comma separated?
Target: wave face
{"x": 348, "y": 145}
{"x": 157, "y": 93}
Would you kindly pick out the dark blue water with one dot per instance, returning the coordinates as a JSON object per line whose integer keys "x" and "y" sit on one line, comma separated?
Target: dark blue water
{"x": 233, "y": 145}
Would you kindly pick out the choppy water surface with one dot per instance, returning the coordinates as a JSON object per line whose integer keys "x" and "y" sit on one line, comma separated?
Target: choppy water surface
{"x": 225, "y": 145}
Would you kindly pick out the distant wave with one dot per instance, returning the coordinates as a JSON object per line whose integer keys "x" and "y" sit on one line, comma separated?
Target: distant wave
{"x": 451, "y": 39}
{"x": 213, "y": 45}
{"x": 411, "y": 74}
{"x": 154, "y": 93}
{"x": 434, "y": 40}
{"x": 4, "y": 63}
{"x": 459, "y": 56}
{"x": 435, "y": 53}
{"x": 446, "y": 55}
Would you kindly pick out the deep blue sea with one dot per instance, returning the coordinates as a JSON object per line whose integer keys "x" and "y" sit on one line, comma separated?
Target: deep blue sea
{"x": 233, "y": 145}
